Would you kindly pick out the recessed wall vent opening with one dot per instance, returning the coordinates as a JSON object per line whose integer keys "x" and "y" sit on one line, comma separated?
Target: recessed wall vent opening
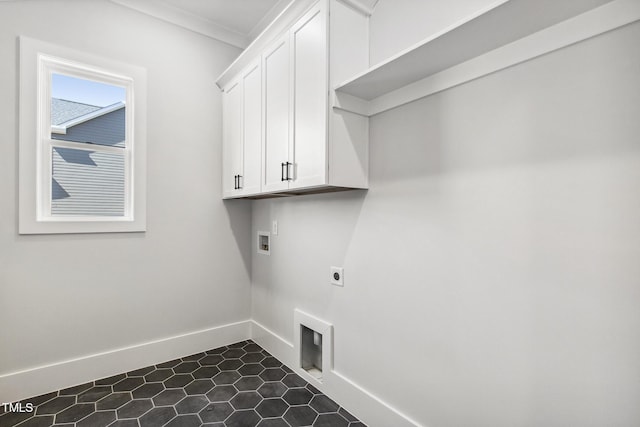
{"x": 313, "y": 343}
{"x": 263, "y": 243}
{"x": 311, "y": 348}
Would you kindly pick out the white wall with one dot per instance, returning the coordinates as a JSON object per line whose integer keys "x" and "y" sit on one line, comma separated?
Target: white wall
{"x": 398, "y": 24}
{"x": 491, "y": 271}
{"x": 69, "y": 296}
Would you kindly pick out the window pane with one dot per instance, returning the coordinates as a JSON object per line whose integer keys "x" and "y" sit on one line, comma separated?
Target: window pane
{"x": 87, "y": 183}
{"x": 87, "y": 111}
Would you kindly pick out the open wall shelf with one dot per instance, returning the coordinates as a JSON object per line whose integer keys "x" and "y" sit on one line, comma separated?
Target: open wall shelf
{"x": 502, "y": 23}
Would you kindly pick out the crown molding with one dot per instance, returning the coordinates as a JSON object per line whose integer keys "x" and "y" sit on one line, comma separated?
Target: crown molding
{"x": 268, "y": 18}
{"x": 181, "y": 18}
{"x": 365, "y": 7}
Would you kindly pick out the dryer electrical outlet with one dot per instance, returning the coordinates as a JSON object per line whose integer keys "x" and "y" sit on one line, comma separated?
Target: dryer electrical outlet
{"x": 337, "y": 276}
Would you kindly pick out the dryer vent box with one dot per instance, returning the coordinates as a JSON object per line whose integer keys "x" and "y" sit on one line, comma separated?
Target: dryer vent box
{"x": 313, "y": 343}
{"x": 311, "y": 352}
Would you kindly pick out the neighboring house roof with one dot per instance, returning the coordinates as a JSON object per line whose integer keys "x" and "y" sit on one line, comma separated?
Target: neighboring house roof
{"x": 66, "y": 114}
{"x": 63, "y": 110}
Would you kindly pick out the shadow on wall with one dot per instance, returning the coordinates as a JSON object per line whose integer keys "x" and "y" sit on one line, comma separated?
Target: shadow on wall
{"x": 526, "y": 115}
{"x": 239, "y": 214}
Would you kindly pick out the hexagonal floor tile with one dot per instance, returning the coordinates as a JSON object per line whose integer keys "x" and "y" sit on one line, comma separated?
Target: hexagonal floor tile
{"x": 322, "y": 404}
{"x": 233, "y": 353}
{"x": 205, "y": 372}
{"x": 191, "y": 404}
{"x": 270, "y": 408}
{"x": 110, "y": 380}
{"x": 199, "y": 387}
{"x": 222, "y": 393}
{"x": 227, "y": 377}
{"x": 245, "y": 400}
{"x": 98, "y": 419}
{"x": 252, "y": 357}
{"x": 216, "y": 412}
{"x": 252, "y": 348}
{"x": 240, "y": 385}
{"x": 55, "y": 405}
{"x": 125, "y": 423}
{"x": 218, "y": 350}
{"x": 272, "y": 374}
{"x": 330, "y": 420}
{"x": 300, "y": 416}
{"x": 157, "y": 417}
{"x": 75, "y": 389}
{"x": 239, "y": 344}
{"x": 147, "y": 390}
{"x": 347, "y": 416}
{"x": 243, "y": 419}
{"x": 185, "y": 421}
{"x": 293, "y": 380}
{"x": 248, "y": 383}
{"x": 169, "y": 364}
{"x": 169, "y": 397}
{"x": 75, "y": 413}
{"x": 275, "y": 389}
{"x": 210, "y": 360}
{"x": 229, "y": 365}
{"x": 312, "y": 389}
{"x": 128, "y": 384}
{"x": 251, "y": 369}
{"x": 94, "y": 394}
{"x": 273, "y": 422}
{"x": 113, "y": 401}
{"x": 40, "y": 421}
{"x": 270, "y": 362}
{"x": 186, "y": 367}
{"x": 158, "y": 375}
{"x": 178, "y": 380}
{"x": 135, "y": 408}
{"x": 297, "y": 396}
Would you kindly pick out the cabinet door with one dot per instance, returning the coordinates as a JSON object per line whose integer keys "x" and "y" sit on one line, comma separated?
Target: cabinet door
{"x": 231, "y": 138}
{"x": 252, "y": 130}
{"x": 310, "y": 88}
{"x": 275, "y": 150}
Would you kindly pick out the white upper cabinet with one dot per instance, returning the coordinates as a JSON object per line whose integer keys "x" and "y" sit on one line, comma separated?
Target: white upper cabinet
{"x": 249, "y": 182}
{"x": 275, "y": 150}
{"x": 306, "y": 145}
{"x": 231, "y": 138}
{"x": 308, "y": 153}
{"x": 242, "y": 134}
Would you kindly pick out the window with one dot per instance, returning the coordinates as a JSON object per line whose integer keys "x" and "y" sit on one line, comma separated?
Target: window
{"x": 82, "y": 146}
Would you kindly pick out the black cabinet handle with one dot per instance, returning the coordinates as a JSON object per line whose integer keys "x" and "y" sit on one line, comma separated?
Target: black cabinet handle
{"x": 288, "y": 177}
{"x": 239, "y": 186}
{"x": 282, "y": 165}
{"x": 235, "y": 182}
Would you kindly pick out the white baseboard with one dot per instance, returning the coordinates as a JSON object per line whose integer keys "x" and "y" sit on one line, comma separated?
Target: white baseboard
{"x": 31, "y": 382}
{"x": 363, "y": 404}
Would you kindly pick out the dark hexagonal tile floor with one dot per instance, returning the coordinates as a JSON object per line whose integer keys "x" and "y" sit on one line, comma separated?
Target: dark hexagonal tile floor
{"x": 239, "y": 385}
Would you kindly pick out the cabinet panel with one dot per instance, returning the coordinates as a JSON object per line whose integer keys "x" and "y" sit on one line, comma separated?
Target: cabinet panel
{"x": 232, "y": 138}
{"x": 310, "y": 88}
{"x": 275, "y": 150}
{"x": 252, "y": 130}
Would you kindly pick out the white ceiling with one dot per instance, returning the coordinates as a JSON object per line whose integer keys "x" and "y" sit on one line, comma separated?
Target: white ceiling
{"x": 236, "y": 22}
{"x": 240, "y": 16}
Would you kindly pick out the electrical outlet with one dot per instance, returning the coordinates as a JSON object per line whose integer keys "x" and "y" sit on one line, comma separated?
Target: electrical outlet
{"x": 274, "y": 228}
{"x": 337, "y": 276}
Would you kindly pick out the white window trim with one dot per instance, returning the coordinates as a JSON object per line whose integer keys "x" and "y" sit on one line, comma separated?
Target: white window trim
{"x": 38, "y": 60}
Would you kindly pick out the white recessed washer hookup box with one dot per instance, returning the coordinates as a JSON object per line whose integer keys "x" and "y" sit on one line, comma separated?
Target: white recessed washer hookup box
{"x": 313, "y": 344}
